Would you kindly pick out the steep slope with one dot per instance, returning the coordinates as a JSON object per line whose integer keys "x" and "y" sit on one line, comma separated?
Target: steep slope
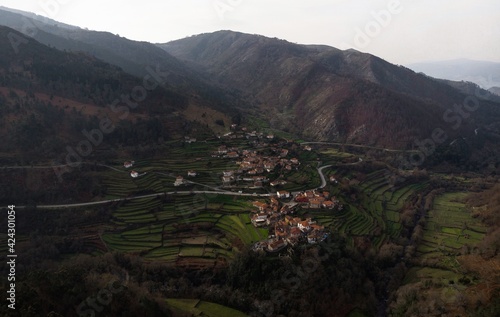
{"x": 328, "y": 94}
{"x": 48, "y": 97}
{"x": 137, "y": 58}
{"x": 470, "y": 88}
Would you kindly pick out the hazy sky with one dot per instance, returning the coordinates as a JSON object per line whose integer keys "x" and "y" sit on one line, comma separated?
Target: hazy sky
{"x": 400, "y": 31}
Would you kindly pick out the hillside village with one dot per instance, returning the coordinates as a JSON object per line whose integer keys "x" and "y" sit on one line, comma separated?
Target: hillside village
{"x": 253, "y": 169}
{"x": 269, "y": 155}
{"x": 289, "y": 230}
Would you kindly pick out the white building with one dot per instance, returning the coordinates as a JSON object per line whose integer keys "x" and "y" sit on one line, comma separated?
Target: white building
{"x": 179, "y": 181}
{"x": 134, "y": 174}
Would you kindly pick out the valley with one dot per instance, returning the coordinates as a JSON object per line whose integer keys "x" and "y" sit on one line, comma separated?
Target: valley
{"x": 420, "y": 228}
{"x": 233, "y": 174}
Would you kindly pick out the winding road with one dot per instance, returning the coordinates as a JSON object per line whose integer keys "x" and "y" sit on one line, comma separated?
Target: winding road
{"x": 322, "y": 176}
{"x": 363, "y": 146}
{"x": 216, "y": 191}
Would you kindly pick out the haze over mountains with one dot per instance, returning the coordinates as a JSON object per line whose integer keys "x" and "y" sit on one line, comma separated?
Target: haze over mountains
{"x": 317, "y": 92}
{"x": 484, "y": 74}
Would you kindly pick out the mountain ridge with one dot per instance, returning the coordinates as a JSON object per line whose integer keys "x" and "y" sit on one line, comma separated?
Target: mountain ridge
{"x": 316, "y": 92}
{"x": 136, "y": 58}
{"x": 49, "y": 97}
{"x": 325, "y": 93}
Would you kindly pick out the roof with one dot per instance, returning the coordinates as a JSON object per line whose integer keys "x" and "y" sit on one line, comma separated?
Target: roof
{"x": 295, "y": 231}
{"x": 315, "y": 201}
{"x": 304, "y": 223}
{"x": 277, "y": 244}
{"x": 259, "y": 204}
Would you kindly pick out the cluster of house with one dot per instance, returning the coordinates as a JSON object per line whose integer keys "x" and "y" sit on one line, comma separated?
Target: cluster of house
{"x": 316, "y": 199}
{"x": 242, "y": 132}
{"x": 179, "y": 180}
{"x": 252, "y": 165}
{"x": 288, "y": 230}
{"x": 129, "y": 164}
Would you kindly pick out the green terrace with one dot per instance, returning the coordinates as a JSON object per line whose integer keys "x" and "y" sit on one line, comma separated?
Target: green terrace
{"x": 209, "y": 228}
{"x": 450, "y": 227}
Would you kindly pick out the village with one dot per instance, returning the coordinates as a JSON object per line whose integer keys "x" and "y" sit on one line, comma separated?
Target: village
{"x": 253, "y": 169}
{"x": 289, "y": 230}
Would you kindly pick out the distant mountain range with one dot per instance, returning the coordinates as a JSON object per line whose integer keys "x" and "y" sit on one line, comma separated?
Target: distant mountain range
{"x": 495, "y": 90}
{"x": 316, "y": 92}
{"x": 485, "y": 74}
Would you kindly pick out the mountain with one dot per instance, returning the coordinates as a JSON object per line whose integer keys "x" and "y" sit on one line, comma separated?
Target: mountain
{"x": 48, "y": 98}
{"x": 483, "y": 73}
{"x": 495, "y": 90}
{"x": 136, "y": 58}
{"x": 470, "y": 88}
{"x": 40, "y": 18}
{"x": 315, "y": 91}
{"x": 325, "y": 94}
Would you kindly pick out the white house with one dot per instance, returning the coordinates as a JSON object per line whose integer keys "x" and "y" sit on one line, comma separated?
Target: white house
{"x": 283, "y": 194}
{"x": 259, "y": 220}
{"x": 134, "y": 174}
{"x": 179, "y": 181}
{"x": 128, "y": 164}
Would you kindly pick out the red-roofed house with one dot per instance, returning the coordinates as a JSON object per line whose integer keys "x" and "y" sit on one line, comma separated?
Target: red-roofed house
{"x": 295, "y": 232}
{"x": 315, "y": 203}
{"x": 276, "y": 245}
{"x": 258, "y": 204}
{"x": 328, "y": 204}
{"x": 304, "y": 226}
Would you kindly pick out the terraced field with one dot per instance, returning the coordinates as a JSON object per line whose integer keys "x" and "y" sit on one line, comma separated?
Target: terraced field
{"x": 450, "y": 232}
{"x": 450, "y": 227}
{"x": 160, "y": 228}
{"x": 374, "y": 214}
{"x": 378, "y": 209}
{"x": 183, "y": 227}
